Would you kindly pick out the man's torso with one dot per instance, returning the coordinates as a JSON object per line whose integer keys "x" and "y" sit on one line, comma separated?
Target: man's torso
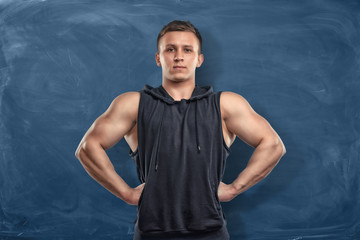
{"x": 132, "y": 136}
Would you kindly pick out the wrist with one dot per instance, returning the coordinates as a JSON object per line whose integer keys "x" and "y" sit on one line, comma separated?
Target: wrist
{"x": 236, "y": 190}
{"x": 127, "y": 195}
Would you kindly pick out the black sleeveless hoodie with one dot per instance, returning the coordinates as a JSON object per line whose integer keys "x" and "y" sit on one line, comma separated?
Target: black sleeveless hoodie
{"x": 181, "y": 157}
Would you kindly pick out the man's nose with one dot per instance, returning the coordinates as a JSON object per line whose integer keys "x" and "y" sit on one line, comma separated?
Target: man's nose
{"x": 179, "y": 56}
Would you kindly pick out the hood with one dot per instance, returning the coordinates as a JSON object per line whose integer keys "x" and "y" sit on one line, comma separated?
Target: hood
{"x": 161, "y": 94}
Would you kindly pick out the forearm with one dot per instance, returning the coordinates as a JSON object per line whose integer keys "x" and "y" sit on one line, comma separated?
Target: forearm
{"x": 98, "y": 165}
{"x": 261, "y": 163}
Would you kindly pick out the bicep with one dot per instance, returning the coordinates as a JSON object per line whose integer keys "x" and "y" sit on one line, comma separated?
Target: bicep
{"x": 243, "y": 121}
{"x": 115, "y": 122}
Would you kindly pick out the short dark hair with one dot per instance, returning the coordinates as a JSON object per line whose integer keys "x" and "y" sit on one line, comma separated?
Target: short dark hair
{"x": 178, "y": 25}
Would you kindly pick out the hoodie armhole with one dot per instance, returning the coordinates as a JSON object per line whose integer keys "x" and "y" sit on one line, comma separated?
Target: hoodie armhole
{"x": 228, "y": 149}
{"x": 132, "y": 153}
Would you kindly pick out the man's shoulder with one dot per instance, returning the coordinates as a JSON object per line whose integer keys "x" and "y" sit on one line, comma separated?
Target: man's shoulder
{"x": 128, "y": 97}
{"x": 128, "y": 101}
{"x": 229, "y": 97}
{"x": 231, "y": 101}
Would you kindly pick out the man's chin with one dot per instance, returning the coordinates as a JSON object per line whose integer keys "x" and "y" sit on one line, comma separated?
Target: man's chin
{"x": 179, "y": 79}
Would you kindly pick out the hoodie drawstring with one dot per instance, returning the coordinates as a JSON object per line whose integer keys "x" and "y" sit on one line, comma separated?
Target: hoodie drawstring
{"x": 196, "y": 128}
{"x": 158, "y": 139}
{"x": 159, "y": 134}
{"x": 161, "y": 94}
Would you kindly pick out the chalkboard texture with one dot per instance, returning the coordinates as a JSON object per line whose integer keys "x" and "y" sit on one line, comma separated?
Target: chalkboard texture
{"x": 62, "y": 62}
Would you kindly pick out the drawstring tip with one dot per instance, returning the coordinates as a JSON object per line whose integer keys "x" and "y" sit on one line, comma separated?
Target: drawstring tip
{"x": 198, "y": 147}
{"x": 156, "y": 167}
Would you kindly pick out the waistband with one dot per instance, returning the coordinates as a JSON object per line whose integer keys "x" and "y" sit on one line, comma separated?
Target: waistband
{"x": 220, "y": 234}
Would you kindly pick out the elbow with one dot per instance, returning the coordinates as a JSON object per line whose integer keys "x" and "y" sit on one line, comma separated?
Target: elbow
{"x": 83, "y": 154}
{"x": 83, "y": 149}
{"x": 283, "y": 150}
{"x": 80, "y": 149}
{"x": 279, "y": 148}
{"x": 77, "y": 152}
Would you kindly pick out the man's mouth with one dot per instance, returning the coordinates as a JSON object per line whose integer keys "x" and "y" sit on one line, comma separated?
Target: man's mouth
{"x": 179, "y": 67}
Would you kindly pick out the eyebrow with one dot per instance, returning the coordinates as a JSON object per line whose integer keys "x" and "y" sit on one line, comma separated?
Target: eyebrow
{"x": 173, "y": 45}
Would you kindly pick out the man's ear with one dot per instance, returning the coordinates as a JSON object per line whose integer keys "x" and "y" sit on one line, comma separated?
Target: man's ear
{"x": 157, "y": 59}
{"x": 200, "y": 60}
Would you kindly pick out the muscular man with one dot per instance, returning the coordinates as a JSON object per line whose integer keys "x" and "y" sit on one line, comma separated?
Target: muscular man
{"x": 179, "y": 136}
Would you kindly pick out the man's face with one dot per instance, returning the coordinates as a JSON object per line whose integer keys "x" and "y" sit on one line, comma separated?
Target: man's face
{"x": 178, "y": 56}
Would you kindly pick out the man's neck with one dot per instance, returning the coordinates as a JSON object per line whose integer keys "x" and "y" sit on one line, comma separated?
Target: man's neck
{"x": 179, "y": 90}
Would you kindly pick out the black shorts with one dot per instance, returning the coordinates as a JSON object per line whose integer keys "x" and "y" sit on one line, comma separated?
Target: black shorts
{"x": 221, "y": 234}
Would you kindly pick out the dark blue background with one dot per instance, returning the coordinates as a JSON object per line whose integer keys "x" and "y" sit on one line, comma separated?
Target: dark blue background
{"x": 63, "y": 62}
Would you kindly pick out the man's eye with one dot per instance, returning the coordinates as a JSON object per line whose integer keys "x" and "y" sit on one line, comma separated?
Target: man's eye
{"x": 187, "y": 50}
{"x": 170, "y": 49}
